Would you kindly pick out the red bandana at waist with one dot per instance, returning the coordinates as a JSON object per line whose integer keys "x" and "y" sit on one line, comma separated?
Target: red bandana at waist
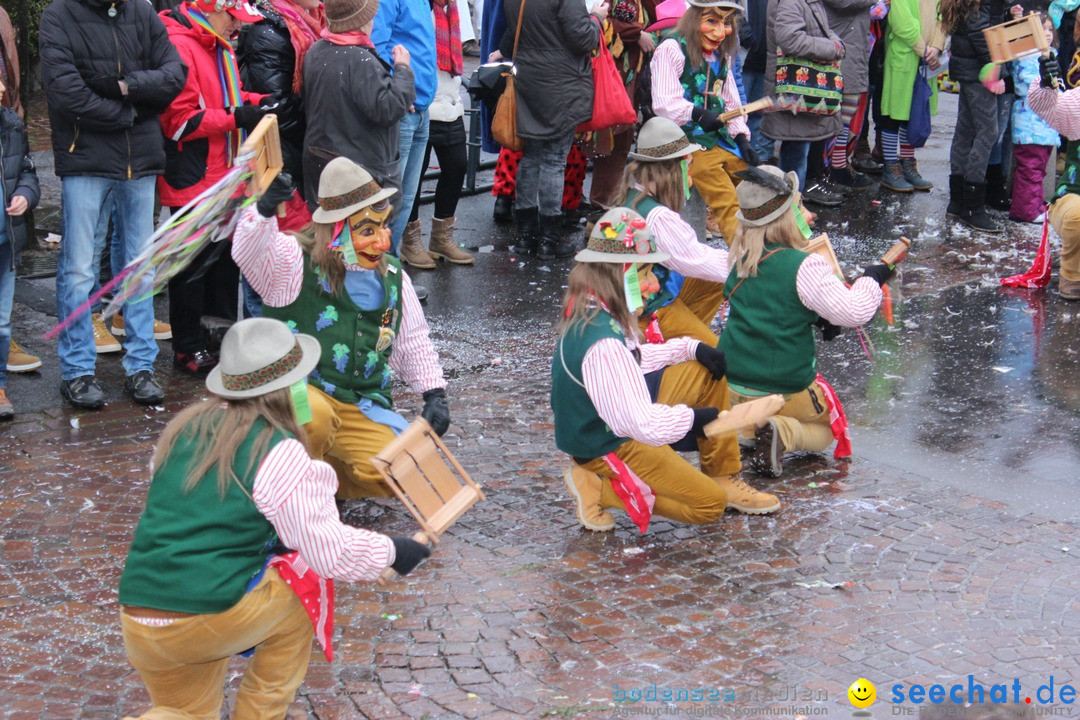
{"x": 837, "y": 419}
{"x": 316, "y": 594}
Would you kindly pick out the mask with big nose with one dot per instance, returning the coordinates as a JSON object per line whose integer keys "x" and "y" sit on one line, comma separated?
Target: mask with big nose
{"x": 716, "y": 25}
{"x": 368, "y": 233}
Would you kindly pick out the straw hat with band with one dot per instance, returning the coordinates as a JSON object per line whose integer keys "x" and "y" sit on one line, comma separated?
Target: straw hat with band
{"x": 621, "y": 236}
{"x": 346, "y": 15}
{"x": 242, "y": 11}
{"x": 259, "y": 356}
{"x": 718, "y": 5}
{"x": 345, "y": 188}
{"x": 764, "y": 194}
{"x": 661, "y": 139}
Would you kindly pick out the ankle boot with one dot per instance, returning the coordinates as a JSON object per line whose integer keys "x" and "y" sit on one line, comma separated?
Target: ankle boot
{"x": 412, "y": 248}
{"x": 911, "y": 174}
{"x": 997, "y": 197}
{"x": 442, "y": 243}
{"x": 528, "y": 221}
{"x": 504, "y": 209}
{"x": 893, "y": 178}
{"x": 956, "y": 197}
{"x": 552, "y": 243}
{"x": 974, "y": 213}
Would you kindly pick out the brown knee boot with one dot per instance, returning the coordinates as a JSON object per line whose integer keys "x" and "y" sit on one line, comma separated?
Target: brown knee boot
{"x": 412, "y": 248}
{"x": 442, "y": 243}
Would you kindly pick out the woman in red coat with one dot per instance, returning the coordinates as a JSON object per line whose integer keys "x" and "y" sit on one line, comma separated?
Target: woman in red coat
{"x": 204, "y": 128}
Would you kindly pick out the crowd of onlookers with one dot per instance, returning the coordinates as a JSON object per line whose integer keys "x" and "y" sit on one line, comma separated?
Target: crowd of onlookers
{"x": 149, "y": 104}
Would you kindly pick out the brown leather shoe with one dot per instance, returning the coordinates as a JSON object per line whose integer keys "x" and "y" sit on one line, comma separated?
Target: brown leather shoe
{"x": 1069, "y": 289}
{"x": 442, "y": 243}
{"x": 768, "y": 457}
{"x": 412, "y": 248}
{"x": 745, "y": 499}
{"x": 585, "y": 487}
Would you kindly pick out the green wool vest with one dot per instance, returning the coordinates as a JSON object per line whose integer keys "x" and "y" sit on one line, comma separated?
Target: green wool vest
{"x": 1070, "y": 182}
{"x": 579, "y": 431}
{"x": 196, "y": 552}
{"x": 769, "y": 336}
{"x": 670, "y": 281}
{"x": 356, "y": 344}
{"x": 695, "y": 81}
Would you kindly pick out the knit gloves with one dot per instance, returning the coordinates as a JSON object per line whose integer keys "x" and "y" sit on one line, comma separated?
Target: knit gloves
{"x": 436, "y": 410}
{"x": 409, "y": 554}
{"x": 279, "y": 191}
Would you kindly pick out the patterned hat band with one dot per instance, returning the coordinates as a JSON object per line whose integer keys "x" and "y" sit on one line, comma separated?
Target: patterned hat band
{"x": 264, "y": 375}
{"x": 666, "y": 149}
{"x": 766, "y": 208}
{"x": 337, "y": 202}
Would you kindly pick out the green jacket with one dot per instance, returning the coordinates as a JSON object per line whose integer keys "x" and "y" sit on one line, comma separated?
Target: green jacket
{"x": 912, "y": 27}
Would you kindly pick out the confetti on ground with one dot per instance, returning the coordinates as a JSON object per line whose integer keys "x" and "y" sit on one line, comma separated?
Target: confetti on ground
{"x": 825, "y": 584}
{"x": 391, "y": 618}
{"x": 875, "y": 202}
{"x": 75, "y": 423}
{"x": 1001, "y": 369}
{"x": 633, "y": 551}
{"x": 471, "y": 696}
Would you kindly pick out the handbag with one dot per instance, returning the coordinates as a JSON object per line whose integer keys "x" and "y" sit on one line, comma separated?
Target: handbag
{"x": 504, "y": 122}
{"x": 918, "y": 128}
{"x": 611, "y": 103}
{"x": 808, "y": 86}
{"x": 488, "y": 83}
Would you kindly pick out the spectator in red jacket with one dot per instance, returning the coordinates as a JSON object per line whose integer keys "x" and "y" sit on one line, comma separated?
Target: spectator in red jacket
{"x": 204, "y": 128}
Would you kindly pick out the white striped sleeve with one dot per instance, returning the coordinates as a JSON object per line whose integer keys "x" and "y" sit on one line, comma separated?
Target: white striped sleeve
{"x": 271, "y": 261}
{"x": 296, "y": 494}
{"x": 662, "y": 355}
{"x": 414, "y": 358}
{"x": 1061, "y": 111}
{"x": 617, "y": 389}
{"x": 689, "y": 256}
{"x": 821, "y": 291}
{"x": 732, "y": 101}
{"x": 667, "y": 92}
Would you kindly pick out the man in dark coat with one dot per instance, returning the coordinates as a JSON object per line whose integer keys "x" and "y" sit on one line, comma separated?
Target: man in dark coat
{"x": 108, "y": 70}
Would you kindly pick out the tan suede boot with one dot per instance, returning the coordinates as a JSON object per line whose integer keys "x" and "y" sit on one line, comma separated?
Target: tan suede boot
{"x": 412, "y": 248}
{"x": 746, "y": 499}
{"x": 585, "y": 487}
{"x": 442, "y": 243}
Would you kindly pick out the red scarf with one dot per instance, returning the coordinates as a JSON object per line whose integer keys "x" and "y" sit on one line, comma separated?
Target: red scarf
{"x": 447, "y": 36}
{"x": 837, "y": 419}
{"x": 352, "y": 37}
{"x": 304, "y": 29}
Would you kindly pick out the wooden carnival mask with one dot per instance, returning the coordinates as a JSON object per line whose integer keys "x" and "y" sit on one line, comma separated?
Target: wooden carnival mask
{"x": 370, "y": 234}
{"x": 716, "y": 25}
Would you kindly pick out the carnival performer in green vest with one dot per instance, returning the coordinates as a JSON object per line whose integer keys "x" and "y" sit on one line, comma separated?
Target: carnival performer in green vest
{"x": 209, "y": 575}
{"x": 692, "y": 85}
{"x": 333, "y": 280}
{"x": 619, "y": 405}
{"x": 777, "y": 295}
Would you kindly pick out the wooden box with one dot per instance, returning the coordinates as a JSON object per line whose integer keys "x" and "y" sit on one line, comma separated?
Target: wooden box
{"x": 264, "y": 147}
{"x": 1016, "y": 39}
{"x": 821, "y": 246}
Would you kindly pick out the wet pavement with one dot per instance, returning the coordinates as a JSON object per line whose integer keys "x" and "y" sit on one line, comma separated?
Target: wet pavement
{"x": 947, "y": 546}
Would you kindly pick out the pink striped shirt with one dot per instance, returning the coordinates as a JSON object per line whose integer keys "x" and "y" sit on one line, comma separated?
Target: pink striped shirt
{"x": 616, "y": 385}
{"x": 1060, "y": 110}
{"x": 273, "y": 263}
{"x": 296, "y": 494}
{"x": 821, "y": 291}
{"x": 689, "y": 257}
{"x": 667, "y": 91}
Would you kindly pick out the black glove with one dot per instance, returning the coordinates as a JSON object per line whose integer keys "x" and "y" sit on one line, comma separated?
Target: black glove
{"x": 702, "y": 417}
{"x": 409, "y": 554}
{"x": 713, "y": 359}
{"x": 106, "y": 86}
{"x": 828, "y": 330}
{"x": 879, "y": 272}
{"x": 248, "y": 116}
{"x": 749, "y": 155}
{"x": 279, "y": 191}
{"x": 1049, "y": 71}
{"x": 436, "y": 410}
{"x": 707, "y": 119}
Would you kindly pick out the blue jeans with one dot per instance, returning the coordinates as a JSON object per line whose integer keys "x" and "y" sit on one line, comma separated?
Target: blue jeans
{"x": 84, "y": 200}
{"x": 115, "y": 251}
{"x": 755, "y": 90}
{"x": 7, "y": 298}
{"x": 793, "y": 154}
{"x": 1002, "y": 149}
{"x": 541, "y": 174}
{"x": 414, "y": 130}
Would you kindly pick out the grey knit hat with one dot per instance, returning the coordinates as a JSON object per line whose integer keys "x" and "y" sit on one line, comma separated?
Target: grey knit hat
{"x": 661, "y": 139}
{"x": 346, "y": 15}
{"x": 764, "y": 194}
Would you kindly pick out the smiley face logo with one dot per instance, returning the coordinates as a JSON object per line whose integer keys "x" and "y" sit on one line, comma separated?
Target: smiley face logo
{"x": 862, "y": 693}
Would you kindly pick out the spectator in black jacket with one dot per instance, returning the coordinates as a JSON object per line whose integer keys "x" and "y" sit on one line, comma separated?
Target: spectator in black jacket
{"x": 752, "y": 40}
{"x": 108, "y": 70}
{"x": 271, "y": 58}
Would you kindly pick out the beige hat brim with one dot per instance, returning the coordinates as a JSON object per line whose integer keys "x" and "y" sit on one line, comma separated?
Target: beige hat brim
{"x": 793, "y": 180}
{"x": 594, "y": 256}
{"x": 311, "y": 350}
{"x": 329, "y": 217}
{"x": 688, "y": 150}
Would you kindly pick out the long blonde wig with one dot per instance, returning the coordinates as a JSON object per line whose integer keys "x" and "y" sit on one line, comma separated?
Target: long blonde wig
{"x": 592, "y": 282}
{"x": 661, "y": 179}
{"x": 748, "y": 247}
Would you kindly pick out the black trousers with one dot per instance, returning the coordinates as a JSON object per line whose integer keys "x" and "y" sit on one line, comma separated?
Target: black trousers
{"x": 448, "y": 141}
{"x": 208, "y": 286}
